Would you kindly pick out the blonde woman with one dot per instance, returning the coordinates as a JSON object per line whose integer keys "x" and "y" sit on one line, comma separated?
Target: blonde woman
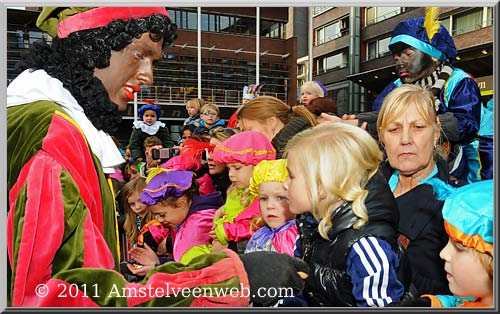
{"x": 334, "y": 180}
{"x": 409, "y": 130}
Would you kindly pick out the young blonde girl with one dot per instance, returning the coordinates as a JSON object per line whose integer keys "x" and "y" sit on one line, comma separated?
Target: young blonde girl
{"x": 193, "y": 107}
{"x": 348, "y": 217}
{"x": 241, "y": 152}
{"x": 311, "y": 90}
{"x": 275, "y": 228}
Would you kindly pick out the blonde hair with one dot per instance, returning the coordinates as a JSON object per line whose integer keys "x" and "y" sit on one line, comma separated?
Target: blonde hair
{"x": 210, "y": 106}
{"x": 196, "y": 103}
{"x": 399, "y": 99}
{"x": 264, "y": 107}
{"x": 130, "y": 225}
{"x": 221, "y": 133}
{"x": 336, "y": 160}
{"x": 313, "y": 87}
{"x": 485, "y": 259}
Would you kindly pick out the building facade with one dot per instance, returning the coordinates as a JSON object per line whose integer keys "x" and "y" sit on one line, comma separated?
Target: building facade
{"x": 228, "y": 59}
{"x": 349, "y": 52}
{"x": 352, "y": 59}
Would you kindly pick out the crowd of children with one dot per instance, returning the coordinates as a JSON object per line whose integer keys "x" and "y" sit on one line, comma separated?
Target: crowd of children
{"x": 323, "y": 200}
{"x": 289, "y": 196}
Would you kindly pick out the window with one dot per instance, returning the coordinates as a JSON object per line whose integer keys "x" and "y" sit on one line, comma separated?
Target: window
{"x": 192, "y": 20}
{"x": 329, "y": 32}
{"x": 319, "y": 10}
{"x": 331, "y": 62}
{"x": 300, "y": 69}
{"x": 467, "y": 22}
{"x": 378, "y": 48}
{"x": 377, "y": 14}
{"x": 211, "y": 22}
{"x": 224, "y": 23}
{"x": 272, "y": 29}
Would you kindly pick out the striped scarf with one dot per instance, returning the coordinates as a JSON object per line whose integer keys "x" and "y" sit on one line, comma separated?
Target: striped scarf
{"x": 436, "y": 81}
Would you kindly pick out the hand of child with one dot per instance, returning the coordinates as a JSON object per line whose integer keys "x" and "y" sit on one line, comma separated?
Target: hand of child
{"x": 145, "y": 256}
{"x": 212, "y": 234}
{"x": 139, "y": 270}
{"x": 219, "y": 213}
{"x": 217, "y": 246}
{"x": 162, "y": 248}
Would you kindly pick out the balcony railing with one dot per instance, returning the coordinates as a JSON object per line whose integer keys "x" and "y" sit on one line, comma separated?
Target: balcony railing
{"x": 180, "y": 95}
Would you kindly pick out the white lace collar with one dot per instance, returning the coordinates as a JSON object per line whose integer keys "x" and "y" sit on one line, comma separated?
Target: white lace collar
{"x": 29, "y": 87}
{"x": 149, "y": 129}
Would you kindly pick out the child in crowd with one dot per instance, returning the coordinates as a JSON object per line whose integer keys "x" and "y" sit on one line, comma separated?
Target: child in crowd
{"x": 311, "y": 90}
{"x": 352, "y": 251}
{"x": 136, "y": 212}
{"x": 173, "y": 199}
{"x": 218, "y": 171}
{"x": 131, "y": 170}
{"x": 148, "y": 125}
{"x": 186, "y": 132}
{"x": 277, "y": 230}
{"x": 241, "y": 152}
{"x": 193, "y": 107}
{"x": 190, "y": 162}
{"x": 150, "y": 143}
{"x": 468, "y": 256}
{"x": 209, "y": 119}
{"x": 250, "y": 92}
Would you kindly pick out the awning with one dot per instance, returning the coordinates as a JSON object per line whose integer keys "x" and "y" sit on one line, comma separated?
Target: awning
{"x": 375, "y": 80}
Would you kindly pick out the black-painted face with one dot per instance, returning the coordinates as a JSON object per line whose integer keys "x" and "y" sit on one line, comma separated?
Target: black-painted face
{"x": 412, "y": 64}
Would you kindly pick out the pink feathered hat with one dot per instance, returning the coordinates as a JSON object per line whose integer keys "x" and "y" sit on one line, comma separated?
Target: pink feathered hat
{"x": 248, "y": 148}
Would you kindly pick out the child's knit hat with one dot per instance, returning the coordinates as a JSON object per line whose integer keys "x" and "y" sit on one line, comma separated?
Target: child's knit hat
{"x": 468, "y": 215}
{"x": 162, "y": 183}
{"x": 248, "y": 148}
{"x": 268, "y": 171}
{"x": 323, "y": 88}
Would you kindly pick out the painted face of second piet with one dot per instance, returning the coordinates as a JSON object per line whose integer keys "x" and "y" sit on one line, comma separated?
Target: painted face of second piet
{"x": 412, "y": 64}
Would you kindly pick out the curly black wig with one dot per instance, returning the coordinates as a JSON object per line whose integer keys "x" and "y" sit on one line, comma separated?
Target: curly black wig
{"x": 72, "y": 60}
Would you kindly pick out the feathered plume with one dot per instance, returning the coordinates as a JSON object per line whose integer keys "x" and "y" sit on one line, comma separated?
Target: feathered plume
{"x": 152, "y": 172}
{"x": 431, "y": 22}
{"x": 150, "y": 101}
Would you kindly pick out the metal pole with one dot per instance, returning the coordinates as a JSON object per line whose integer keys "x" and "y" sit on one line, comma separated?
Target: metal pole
{"x": 310, "y": 45}
{"x": 257, "y": 46}
{"x": 135, "y": 106}
{"x": 199, "y": 52}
